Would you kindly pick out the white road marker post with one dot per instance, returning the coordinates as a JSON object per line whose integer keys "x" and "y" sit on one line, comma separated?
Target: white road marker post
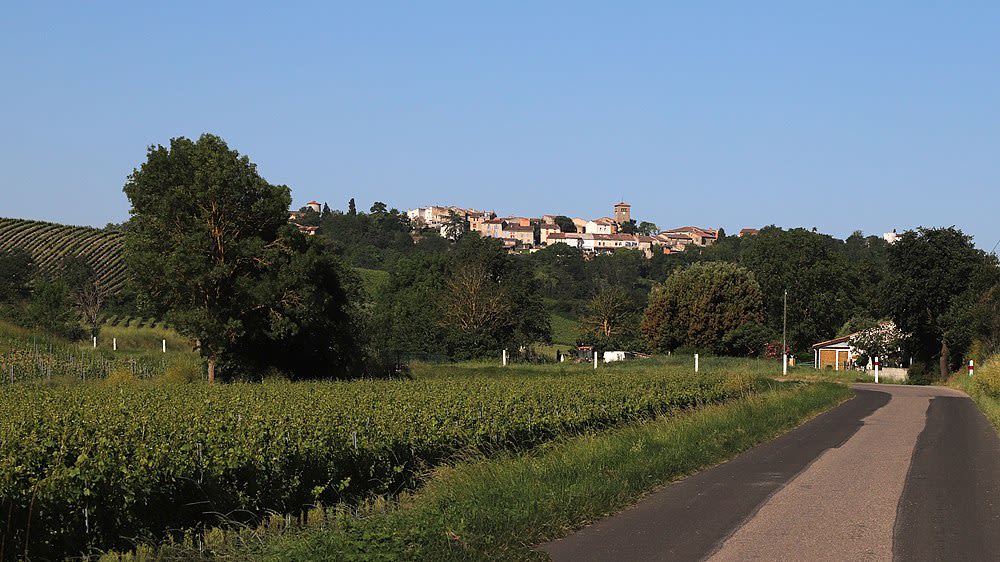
{"x": 876, "y": 369}
{"x": 972, "y": 367}
{"x": 696, "y": 362}
{"x": 95, "y": 342}
{"x": 784, "y": 338}
{"x": 595, "y": 359}
{"x": 503, "y": 358}
{"x": 164, "y": 346}
{"x": 114, "y": 344}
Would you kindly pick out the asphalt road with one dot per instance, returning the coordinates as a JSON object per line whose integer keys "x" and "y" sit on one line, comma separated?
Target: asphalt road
{"x": 897, "y": 473}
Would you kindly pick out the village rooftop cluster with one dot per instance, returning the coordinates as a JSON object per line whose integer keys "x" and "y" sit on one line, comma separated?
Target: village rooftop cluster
{"x": 520, "y": 234}
{"x": 593, "y": 236}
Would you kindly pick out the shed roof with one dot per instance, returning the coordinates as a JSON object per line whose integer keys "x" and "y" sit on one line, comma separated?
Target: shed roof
{"x": 833, "y": 342}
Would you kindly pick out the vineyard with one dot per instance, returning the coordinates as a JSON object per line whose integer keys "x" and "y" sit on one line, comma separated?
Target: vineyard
{"x": 93, "y": 466}
{"x": 24, "y": 360}
{"x": 28, "y": 357}
{"x": 48, "y": 243}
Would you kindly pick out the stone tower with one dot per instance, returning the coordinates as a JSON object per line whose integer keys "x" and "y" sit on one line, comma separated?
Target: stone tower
{"x": 623, "y": 212}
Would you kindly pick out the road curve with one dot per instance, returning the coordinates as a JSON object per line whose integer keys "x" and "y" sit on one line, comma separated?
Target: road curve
{"x": 898, "y": 472}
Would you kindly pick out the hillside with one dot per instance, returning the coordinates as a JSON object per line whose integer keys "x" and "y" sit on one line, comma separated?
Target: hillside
{"x": 49, "y": 242}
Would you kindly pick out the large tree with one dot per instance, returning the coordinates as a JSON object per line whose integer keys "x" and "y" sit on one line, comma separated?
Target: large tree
{"x": 471, "y": 302}
{"x": 823, "y": 286}
{"x": 934, "y": 276}
{"x": 699, "y": 305}
{"x": 85, "y": 290}
{"x": 611, "y": 320}
{"x": 207, "y": 237}
{"x": 51, "y": 309}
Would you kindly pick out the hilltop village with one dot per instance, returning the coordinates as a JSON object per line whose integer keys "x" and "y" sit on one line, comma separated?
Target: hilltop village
{"x": 528, "y": 234}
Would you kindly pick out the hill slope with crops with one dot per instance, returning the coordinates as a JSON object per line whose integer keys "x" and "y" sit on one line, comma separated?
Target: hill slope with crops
{"x": 49, "y": 243}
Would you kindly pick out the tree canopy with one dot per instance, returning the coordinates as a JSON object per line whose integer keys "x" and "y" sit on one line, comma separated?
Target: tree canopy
{"x": 209, "y": 247}
{"x": 472, "y": 301}
{"x": 16, "y": 269}
{"x": 935, "y": 278}
{"x": 699, "y": 305}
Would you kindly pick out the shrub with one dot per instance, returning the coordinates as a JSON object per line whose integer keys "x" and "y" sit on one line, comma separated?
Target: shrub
{"x": 987, "y": 379}
{"x": 747, "y": 340}
{"x": 921, "y": 373}
{"x": 697, "y": 306}
{"x": 182, "y": 373}
{"x": 121, "y": 376}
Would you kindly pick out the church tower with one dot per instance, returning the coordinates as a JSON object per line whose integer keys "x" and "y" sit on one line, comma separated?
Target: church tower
{"x": 623, "y": 212}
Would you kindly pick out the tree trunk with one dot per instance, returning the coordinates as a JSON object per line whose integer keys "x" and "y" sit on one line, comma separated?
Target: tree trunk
{"x": 211, "y": 370}
{"x": 945, "y": 359}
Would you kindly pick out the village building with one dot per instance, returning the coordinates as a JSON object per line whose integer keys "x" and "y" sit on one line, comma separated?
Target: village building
{"x": 571, "y": 239}
{"x": 607, "y": 243}
{"x": 698, "y": 236}
{"x": 519, "y": 221}
{"x": 522, "y": 234}
{"x": 675, "y": 241}
{"x": 476, "y": 218}
{"x": 603, "y": 225}
{"x": 645, "y": 244}
{"x": 437, "y": 216}
{"x": 748, "y": 232}
{"x": 546, "y": 230}
{"x": 490, "y": 228}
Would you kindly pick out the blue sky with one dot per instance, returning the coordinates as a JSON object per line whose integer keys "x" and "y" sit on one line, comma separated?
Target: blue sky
{"x": 845, "y": 115}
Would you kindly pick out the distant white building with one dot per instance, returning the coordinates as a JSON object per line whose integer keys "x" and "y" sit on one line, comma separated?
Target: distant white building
{"x": 603, "y": 225}
{"x": 891, "y": 237}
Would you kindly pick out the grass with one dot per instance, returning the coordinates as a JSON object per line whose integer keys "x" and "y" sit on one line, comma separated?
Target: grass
{"x": 147, "y": 339}
{"x": 140, "y": 347}
{"x": 990, "y": 406}
{"x": 565, "y": 330}
{"x": 988, "y": 402}
{"x": 373, "y": 280}
{"x": 499, "y": 509}
{"x": 675, "y": 363}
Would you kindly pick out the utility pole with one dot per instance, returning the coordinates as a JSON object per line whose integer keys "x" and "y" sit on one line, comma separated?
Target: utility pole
{"x": 784, "y": 339}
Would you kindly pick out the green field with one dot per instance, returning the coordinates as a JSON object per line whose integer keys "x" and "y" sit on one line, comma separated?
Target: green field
{"x": 102, "y": 448}
{"x": 88, "y": 464}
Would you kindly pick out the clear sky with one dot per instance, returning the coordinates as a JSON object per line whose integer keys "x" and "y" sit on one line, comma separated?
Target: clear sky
{"x": 840, "y": 115}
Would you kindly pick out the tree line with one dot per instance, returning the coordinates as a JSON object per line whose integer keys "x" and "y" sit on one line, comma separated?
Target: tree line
{"x": 69, "y": 302}
{"x": 210, "y": 249}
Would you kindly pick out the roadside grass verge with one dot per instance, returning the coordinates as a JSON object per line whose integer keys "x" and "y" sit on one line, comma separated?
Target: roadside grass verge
{"x": 500, "y": 509}
{"x": 990, "y": 406}
{"x": 983, "y": 388}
